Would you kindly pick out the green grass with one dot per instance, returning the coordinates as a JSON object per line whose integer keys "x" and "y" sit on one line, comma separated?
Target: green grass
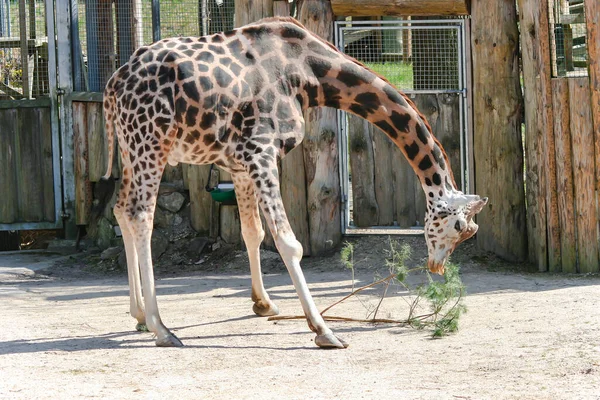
{"x": 398, "y": 73}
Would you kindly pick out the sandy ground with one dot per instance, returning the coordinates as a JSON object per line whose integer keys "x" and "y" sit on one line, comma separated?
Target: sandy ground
{"x": 525, "y": 336}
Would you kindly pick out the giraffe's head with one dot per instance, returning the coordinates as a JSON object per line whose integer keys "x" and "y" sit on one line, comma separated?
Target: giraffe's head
{"x": 449, "y": 221}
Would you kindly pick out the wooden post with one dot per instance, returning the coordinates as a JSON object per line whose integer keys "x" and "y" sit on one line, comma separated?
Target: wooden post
{"x": 200, "y": 199}
{"x": 564, "y": 174}
{"x": 128, "y": 16}
{"x": 281, "y": 8}
{"x": 96, "y": 139}
{"x": 80, "y": 149}
{"x": 320, "y": 149}
{"x": 592, "y": 17}
{"x": 544, "y": 236}
{"x": 65, "y": 82}
{"x": 583, "y": 171}
{"x": 24, "y": 49}
{"x": 247, "y": 11}
{"x": 498, "y": 149}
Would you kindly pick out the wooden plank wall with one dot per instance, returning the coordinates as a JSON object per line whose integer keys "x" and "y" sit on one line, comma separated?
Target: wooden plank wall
{"x": 576, "y": 176}
{"x": 26, "y": 172}
{"x": 562, "y": 149}
{"x": 385, "y": 189}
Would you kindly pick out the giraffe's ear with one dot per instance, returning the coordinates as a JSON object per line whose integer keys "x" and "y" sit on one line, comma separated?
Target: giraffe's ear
{"x": 475, "y": 207}
{"x": 463, "y": 200}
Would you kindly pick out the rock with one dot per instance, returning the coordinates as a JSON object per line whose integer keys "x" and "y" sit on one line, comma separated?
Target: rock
{"x": 172, "y": 202}
{"x": 62, "y": 246}
{"x": 196, "y": 246}
{"x": 177, "y": 220}
{"x": 160, "y": 218}
{"x": 105, "y": 234}
{"x": 122, "y": 260}
{"x": 111, "y": 253}
{"x": 159, "y": 244}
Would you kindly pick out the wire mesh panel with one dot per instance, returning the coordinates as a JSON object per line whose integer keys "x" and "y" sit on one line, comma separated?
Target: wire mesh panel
{"x": 425, "y": 59}
{"x": 23, "y": 49}
{"x": 110, "y": 30}
{"x": 568, "y": 38}
{"x": 412, "y": 55}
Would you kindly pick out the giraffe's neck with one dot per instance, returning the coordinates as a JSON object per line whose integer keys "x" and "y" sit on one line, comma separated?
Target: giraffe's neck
{"x": 340, "y": 82}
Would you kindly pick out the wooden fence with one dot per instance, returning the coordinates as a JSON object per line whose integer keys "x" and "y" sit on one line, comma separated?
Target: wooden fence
{"x": 562, "y": 152}
{"x": 562, "y": 148}
{"x": 385, "y": 189}
{"x": 26, "y": 164}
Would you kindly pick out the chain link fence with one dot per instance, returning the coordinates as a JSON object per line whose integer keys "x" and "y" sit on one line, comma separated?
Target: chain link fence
{"x": 23, "y": 49}
{"x": 568, "y": 38}
{"x": 110, "y": 31}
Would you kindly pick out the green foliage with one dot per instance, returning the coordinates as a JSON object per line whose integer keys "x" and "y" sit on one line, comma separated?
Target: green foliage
{"x": 398, "y": 73}
{"x": 347, "y": 256}
{"x": 444, "y": 298}
{"x": 396, "y": 261}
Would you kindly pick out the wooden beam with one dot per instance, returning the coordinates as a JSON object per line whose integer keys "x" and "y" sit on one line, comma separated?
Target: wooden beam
{"x": 378, "y": 8}
{"x": 80, "y": 149}
{"x": 541, "y": 177}
{"x": 320, "y": 149}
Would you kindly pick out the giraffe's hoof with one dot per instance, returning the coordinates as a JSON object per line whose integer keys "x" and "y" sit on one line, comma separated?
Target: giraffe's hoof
{"x": 330, "y": 341}
{"x": 141, "y": 327}
{"x": 265, "y": 309}
{"x": 169, "y": 341}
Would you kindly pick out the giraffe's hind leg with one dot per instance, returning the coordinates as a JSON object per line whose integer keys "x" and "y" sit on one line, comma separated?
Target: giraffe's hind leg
{"x": 291, "y": 251}
{"x": 136, "y": 304}
{"x": 253, "y": 234}
{"x": 139, "y": 217}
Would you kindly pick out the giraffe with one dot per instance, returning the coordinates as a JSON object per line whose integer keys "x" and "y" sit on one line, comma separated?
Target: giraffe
{"x": 236, "y": 99}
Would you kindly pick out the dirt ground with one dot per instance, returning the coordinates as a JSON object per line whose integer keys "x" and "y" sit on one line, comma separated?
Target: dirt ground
{"x": 65, "y": 332}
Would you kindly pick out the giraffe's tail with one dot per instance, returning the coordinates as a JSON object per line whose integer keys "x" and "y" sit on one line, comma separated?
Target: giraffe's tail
{"x": 109, "y": 104}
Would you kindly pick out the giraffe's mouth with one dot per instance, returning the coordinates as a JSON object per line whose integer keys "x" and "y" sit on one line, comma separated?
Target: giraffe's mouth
{"x": 437, "y": 267}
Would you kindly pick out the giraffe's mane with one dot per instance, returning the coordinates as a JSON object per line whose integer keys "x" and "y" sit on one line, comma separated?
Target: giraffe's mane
{"x": 291, "y": 20}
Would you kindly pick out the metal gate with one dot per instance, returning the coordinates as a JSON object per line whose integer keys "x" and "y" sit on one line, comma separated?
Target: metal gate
{"x": 426, "y": 60}
{"x": 31, "y": 174}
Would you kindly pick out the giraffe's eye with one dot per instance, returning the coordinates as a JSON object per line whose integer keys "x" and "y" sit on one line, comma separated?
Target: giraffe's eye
{"x": 458, "y": 226}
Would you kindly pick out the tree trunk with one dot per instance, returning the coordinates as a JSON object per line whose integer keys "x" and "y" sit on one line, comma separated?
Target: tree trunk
{"x": 320, "y": 149}
{"x": 497, "y": 122}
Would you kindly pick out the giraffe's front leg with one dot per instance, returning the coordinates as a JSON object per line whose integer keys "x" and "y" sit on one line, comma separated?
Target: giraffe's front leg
{"x": 253, "y": 235}
{"x": 291, "y": 252}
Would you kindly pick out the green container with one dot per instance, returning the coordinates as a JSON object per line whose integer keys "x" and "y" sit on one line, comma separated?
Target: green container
{"x": 225, "y": 196}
